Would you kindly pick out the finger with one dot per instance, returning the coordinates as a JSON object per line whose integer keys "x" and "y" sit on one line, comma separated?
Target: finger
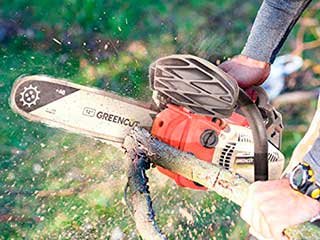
{"x": 272, "y": 224}
{"x": 264, "y": 227}
{"x": 258, "y": 193}
{"x": 276, "y": 226}
{"x": 247, "y": 206}
{"x": 226, "y": 66}
{"x": 277, "y": 232}
{"x": 246, "y": 211}
{"x": 257, "y": 235}
{"x": 253, "y": 197}
{"x": 259, "y": 223}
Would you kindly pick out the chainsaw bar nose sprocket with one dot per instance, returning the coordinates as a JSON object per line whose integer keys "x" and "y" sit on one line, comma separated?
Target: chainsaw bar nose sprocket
{"x": 194, "y": 83}
{"x": 29, "y": 96}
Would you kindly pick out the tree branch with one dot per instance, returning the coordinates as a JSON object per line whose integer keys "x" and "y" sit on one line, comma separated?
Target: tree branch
{"x": 295, "y": 97}
{"x": 215, "y": 178}
{"x": 138, "y": 197}
{"x": 14, "y": 218}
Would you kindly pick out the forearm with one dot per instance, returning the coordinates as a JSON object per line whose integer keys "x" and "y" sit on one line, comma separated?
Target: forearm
{"x": 313, "y": 159}
{"x": 272, "y": 25}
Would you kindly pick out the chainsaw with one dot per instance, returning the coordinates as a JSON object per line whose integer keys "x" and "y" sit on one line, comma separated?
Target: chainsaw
{"x": 196, "y": 108}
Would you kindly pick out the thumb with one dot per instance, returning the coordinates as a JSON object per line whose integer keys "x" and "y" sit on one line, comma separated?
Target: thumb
{"x": 226, "y": 66}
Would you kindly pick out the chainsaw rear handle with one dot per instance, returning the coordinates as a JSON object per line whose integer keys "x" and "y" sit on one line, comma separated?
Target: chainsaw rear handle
{"x": 250, "y": 110}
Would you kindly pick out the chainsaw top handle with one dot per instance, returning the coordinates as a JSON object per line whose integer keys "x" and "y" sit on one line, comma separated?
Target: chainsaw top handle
{"x": 250, "y": 110}
{"x": 203, "y": 88}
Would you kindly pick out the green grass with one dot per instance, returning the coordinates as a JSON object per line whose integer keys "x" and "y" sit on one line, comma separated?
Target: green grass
{"x": 51, "y": 160}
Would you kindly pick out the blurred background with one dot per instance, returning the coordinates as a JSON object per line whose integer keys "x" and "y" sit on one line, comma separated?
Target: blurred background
{"x": 57, "y": 185}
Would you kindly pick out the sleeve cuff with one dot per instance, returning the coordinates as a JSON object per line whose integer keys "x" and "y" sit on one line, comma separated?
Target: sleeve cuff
{"x": 313, "y": 159}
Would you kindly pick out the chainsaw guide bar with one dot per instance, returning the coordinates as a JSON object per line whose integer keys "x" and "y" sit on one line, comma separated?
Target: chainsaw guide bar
{"x": 76, "y": 108}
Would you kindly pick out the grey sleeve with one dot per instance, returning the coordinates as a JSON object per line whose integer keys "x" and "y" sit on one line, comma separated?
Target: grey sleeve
{"x": 313, "y": 158}
{"x": 271, "y": 28}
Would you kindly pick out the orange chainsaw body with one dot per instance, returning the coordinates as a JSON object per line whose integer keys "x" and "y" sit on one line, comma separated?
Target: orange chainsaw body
{"x": 184, "y": 130}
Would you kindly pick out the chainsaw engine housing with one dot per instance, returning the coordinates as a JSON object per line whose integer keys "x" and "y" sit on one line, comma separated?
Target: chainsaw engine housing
{"x": 225, "y": 142}
{"x": 194, "y": 83}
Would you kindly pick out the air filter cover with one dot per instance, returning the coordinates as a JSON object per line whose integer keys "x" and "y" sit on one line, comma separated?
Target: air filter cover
{"x": 194, "y": 83}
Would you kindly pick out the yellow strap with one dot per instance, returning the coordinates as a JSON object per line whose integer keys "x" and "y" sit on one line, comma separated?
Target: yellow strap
{"x": 315, "y": 193}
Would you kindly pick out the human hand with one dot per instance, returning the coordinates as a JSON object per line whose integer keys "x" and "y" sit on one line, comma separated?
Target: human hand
{"x": 272, "y": 206}
{"x": 246, "y": 71}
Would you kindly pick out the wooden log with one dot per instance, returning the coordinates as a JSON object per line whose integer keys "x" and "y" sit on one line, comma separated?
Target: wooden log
{"x": 138, "y": 197}
{"x": 215, "y": 178}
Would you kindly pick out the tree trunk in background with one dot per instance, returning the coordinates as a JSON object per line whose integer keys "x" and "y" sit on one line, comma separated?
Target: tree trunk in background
{"x": 307, "y": 141}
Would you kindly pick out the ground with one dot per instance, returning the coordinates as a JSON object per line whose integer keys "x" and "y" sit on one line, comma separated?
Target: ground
{"x": 57, "y": 185}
